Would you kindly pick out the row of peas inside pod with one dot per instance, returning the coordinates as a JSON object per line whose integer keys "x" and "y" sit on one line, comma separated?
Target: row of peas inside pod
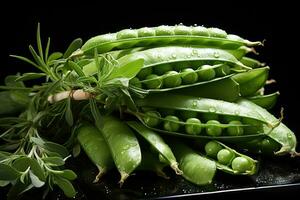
{"x": 194, "y": 82}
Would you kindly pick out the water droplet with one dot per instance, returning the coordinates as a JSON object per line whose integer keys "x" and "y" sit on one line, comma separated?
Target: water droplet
{"x": 212, "y": 109}
{"x": 195, "y": 24}
{"x": 181, "y": 24}
{"x": 236, "y": 112}
{"x": 194, "y": 52}
{"x": 216, "y": 55}
{"x": 174, "y": 55}
{"x": 189, "y": 56}
{"x": 194, "y": 104}
{"x": 289, "y": 136}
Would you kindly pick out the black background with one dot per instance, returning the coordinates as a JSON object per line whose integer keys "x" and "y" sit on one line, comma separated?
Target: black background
{"x": 254, "y": 20}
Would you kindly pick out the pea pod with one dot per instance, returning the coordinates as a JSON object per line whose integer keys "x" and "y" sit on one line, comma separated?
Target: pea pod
{"x": 252, "y": 80}
{"x": 173, "y": 54}
{"x": 158, "y": 143}
{"x": 281, "y": 134}
{"x": 164, "y": 35}
{"x": 202, "y": 105}
{"x": 265, "y": 101}
{"x": 250, "y": 62}
{"x": 123, "y": 145}
{"x": 252, "y": 164}
{"x": 196, "y": 168}
{"x": 94, "y": 145}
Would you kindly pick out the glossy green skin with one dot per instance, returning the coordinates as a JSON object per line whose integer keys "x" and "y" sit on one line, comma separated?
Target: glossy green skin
{"x": 206, "y": 73}
{"x": 240, "y": 164}
{"x": 225, "y": 156}
{"x": 189, "y": 76}
{"x": 252, "y": 81}
{"x": 265, "y": 101}
{"x": 212, "y": 148}
{"x": 213, "y": 130}
{"x": 151, "y": 118}
{"x": 196, "y": 169}
{"x": 172, "y": 79}
{"x": 171, "y": 125}
{"x": 164, "y": 35}
{"x": 281, "y": 134}
{"x": 193, "y": 126}
{"x": 157, "y": 142}
{"x": 155, "y": 83}
{"x": 123, "y": 145}
{"x": 235, "y": 131}
{"x": 95, "y": 147}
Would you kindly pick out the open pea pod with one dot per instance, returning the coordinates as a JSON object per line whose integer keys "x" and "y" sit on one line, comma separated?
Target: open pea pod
{"x": 158, "y": 143}
{"x": 266, "y": 101}
{"x": 162, "y": 36}
{"x": 252, "y": 80}
{"x": 251, "y": 163}
{"x": 96, "y": 148}
{"x": 173, "y": 54}
{"x": 123, "y": 145}
{"x": 196, "y": 168}
{"x": 281, "y": 134}
{"x": 201, "y": 105}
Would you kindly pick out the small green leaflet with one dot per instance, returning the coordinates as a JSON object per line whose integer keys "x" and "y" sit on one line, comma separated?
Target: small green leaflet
{"x": 65, "y": 185}
{"x": 30, "y": 76}
{"x": 8, "y": 173}
{"x": 75, "y": 44}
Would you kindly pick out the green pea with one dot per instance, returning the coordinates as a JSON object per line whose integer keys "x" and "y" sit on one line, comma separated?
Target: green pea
{"x": 146, "y": 32}
{"x": 162, "y": 69}
{"x": 212, "y": 148}
{"x": 155, "y": 83}
{"x": 225, "y": 156}
{"x": 193, "y": 126}
{"x": 166, "y": 111}
{"x": 209, "y": 116}
{"x": 200, "y": 31}
{"x": 164, "y": 30}
{"x": 182, "y": 30}
{"x": 189, "y": 76}
{"x": 240, "y": 164}
{"x": 206, "y": 73}
{"x": 223, "y": 70}
{"x": 171, "y": 125}
{"x": 235, "y": 130}
{"x": 186, "y": 114}
{"x": 213, "y": 130}
{"x": 144, "y": 73}
{"x": 127, "y": 33}
{"x": 172, "y": 79}
{"x": 151, "y": 118}
{"x": 135, "y": 82}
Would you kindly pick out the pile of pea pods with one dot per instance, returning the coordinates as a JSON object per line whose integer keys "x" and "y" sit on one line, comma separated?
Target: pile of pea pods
{"x": 203, "y": 106}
